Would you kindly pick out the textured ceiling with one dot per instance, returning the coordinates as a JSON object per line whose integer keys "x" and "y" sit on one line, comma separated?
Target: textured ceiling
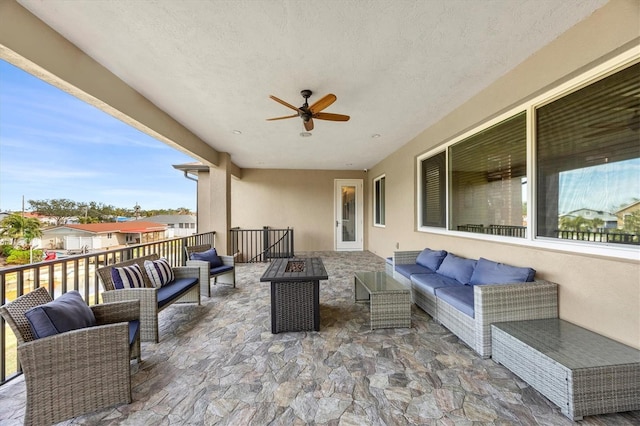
{"x": 396, "y": 66}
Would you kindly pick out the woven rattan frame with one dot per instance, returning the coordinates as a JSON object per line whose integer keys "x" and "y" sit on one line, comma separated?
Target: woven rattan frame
{"x": 148, "y": 295}
{"x": 60, "y": 381}
{"x": 294, "y": 306}
{"x": 227, "y": 277}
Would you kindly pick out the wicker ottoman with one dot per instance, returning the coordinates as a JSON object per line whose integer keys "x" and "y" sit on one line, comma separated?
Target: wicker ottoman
{"x": 581, "y": 372}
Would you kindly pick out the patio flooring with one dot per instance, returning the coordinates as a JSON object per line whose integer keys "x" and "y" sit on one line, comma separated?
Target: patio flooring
{"x": 220, "y": 364}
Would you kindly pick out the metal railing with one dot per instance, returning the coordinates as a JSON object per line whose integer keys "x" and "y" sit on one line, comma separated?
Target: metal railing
{"x": 502, "y": 230}
{"x": 601, "y": 237}
{"x": 76, "y": 272}
{"x": 261, "y": 245}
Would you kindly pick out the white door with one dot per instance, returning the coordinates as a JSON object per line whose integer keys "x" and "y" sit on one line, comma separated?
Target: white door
{"x": 349, "y": 214}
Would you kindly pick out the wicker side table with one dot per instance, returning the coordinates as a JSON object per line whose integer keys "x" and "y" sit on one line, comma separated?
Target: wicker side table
{"x": 389, "y": 300}
{"x": 580, "y": 371}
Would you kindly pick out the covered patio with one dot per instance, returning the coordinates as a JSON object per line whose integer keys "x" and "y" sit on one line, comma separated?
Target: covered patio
{"x": 219, "y": 364}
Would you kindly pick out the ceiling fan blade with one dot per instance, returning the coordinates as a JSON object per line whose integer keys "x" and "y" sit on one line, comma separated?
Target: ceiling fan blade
{"x": 308, "y": 125}
{"x": 282, "y": 118}
{"x": 322, "y": 103}
{"x": 331, "y": 117}
{"x": 280, "y": 101}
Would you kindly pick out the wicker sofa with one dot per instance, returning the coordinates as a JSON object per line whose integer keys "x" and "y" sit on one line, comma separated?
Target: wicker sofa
{"x": 472, "y": 294}
{"x": 185, "y": 288}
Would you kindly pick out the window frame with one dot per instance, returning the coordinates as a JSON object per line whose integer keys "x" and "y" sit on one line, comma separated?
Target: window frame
{"x": 376, "y": 201}
{"x": 529, "y": 106}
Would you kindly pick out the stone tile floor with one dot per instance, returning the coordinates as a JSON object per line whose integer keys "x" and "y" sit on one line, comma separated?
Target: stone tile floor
{"x": 220, "y": 364}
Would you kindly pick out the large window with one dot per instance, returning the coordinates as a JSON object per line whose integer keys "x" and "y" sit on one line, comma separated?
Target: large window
{"x": 585, "y": 147}
{"x": 588, "y": 151}
{"x": 379, "y": 201}
{"x": 488, "y": 180}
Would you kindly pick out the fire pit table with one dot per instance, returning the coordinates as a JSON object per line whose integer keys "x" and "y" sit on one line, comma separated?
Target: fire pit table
{"x": 295, "y": 293}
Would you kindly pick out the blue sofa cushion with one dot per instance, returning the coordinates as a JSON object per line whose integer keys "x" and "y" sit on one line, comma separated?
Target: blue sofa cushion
{"x": 430, "y": 282}
{"x": 389, "y": 260}
{"x": 134, "y": 331}
{"x": 408, "y": 269}
{"x": 221, "y": 269}
{"x": 210, "y": 256}
{"x": 458, "y": 268}
{"x": 490, "y": 272}
{"x": 68, "y": 312}
{"x": 159, "y": 271}
{"x": 175, "y": 289}
{"x": 459, "y": 296}
{"x": 431, "y": 258}
{"x": 127, "y": 277}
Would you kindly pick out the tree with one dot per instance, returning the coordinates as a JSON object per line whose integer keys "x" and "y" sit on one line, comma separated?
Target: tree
{"x": 19, "y": 228}
{"x": 59, "y": 209}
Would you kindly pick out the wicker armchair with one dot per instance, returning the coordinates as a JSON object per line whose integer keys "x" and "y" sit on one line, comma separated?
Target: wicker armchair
{"x": 78, "y": 371}
{"x": 148, "y": 295}
{"x": 225, "y": 276}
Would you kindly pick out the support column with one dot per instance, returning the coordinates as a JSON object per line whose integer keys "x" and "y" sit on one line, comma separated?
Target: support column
{"x": 214, "y": 202}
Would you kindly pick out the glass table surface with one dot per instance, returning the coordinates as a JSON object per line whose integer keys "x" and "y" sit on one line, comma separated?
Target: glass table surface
{"x": 377, "y": 282}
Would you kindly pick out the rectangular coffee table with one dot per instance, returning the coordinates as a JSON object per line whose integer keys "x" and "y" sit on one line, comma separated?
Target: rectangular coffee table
{"x": 389, "y": 300}
{"x": 295, "y": 293}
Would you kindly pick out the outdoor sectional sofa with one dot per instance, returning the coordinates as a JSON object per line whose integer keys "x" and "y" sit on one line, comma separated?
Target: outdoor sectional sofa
{"x": 468, "y": 295}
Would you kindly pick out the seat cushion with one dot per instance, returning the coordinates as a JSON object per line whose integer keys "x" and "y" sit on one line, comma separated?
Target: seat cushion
{"x": 458, "y": 296}
{"x": 458, "y": 268}
{"x": 159, "y": 271}
{"x": 134, "y": 331}
{"x": 127, "y": 277}
{"x": 221, "y": 269}
{"x": 431, "y": 258}
{"x": 175, "y": 289}
{"x": 430, "y": 282}
{"x": 490, "y": 272}
{"x": 210, "y": 256}
{"x": 408, "y": 269}
{"x": 68, "y": 312}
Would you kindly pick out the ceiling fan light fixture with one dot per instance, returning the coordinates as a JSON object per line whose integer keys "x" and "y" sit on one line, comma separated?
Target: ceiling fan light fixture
{"x": 305, "y": 134}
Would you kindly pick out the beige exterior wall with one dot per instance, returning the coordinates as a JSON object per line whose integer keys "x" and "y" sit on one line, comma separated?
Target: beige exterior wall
{"x": 300, "y": 199}
{"x": 597, "y": 292}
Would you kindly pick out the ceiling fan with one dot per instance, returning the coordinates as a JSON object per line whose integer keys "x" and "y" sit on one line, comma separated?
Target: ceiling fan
{"x": 308, "y": 113}
{"x": 632, "y": 123}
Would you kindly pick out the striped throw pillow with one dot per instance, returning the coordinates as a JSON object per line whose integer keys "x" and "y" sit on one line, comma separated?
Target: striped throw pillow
{"x": 127, "y": 277}
{"x": 159, "y": 271}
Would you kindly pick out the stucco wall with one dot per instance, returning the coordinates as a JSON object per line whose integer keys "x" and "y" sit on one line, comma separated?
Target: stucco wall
{"x": 597, "y": 292}
{"x": 300, "y": 199}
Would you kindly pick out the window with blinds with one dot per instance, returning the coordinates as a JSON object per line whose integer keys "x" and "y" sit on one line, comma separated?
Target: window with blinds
{"x": 588, "y": 162}
{"x": 488, "y": 176}
{"x": 378, "y": 201}
{"x": 433, "y": 175}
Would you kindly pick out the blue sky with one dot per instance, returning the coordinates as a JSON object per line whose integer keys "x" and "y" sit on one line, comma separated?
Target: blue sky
{"x": 53, "y": 145}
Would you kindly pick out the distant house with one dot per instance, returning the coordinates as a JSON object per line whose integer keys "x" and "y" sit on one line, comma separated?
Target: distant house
{"x": 178, "y": 225}
{"x": 102, "y": 235}
{"x": 626, "y": 211}
{"x": 610, "y": 220}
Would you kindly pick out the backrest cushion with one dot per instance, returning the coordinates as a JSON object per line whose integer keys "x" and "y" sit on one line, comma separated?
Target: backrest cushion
{"x": 490, "y": 272}
{"x": 210, "y": 256}
{"x": 159, "y": 271}
{"x": 127, "y": 277}
{"x": 458, "y": 268}
{"x": 68, "y": 312}
{"x": 431, "y": 258}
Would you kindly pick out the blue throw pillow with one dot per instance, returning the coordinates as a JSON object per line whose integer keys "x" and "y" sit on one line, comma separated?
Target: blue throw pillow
{"x": 431, "y": 258}
{"x": 68, "y": 312}
{"x": 210, "y": 256}
{"x": 159, "y": 271}
{"x": 458, "y": 268}
{"x": 490, "y": 272}
{"x": 127, "y": 277}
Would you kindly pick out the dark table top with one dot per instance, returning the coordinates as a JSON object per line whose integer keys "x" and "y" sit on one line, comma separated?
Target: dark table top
{"x": 313, "y": 270}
